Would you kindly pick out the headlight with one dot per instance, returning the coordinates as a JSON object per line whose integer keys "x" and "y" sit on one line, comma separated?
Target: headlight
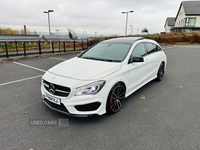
{"x": 92, "y": 88}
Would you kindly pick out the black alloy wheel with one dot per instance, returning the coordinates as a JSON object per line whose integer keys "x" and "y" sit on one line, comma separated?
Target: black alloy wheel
{"x": 116, "y": 98}
{"x": 161, "y": 72}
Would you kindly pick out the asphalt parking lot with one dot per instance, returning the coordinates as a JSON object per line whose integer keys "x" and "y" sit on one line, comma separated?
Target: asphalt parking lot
{"x": 161, "y": 115}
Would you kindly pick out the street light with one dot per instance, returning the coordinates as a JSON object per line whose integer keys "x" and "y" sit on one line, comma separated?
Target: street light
{"x": 95, "y": 34}
{"x": 49, "y": 25}
{"x": 126, "y": 19}
{"x": 57, "y": 32}
{"x": 86, "y": 34}
{"x": 131, "y": 28}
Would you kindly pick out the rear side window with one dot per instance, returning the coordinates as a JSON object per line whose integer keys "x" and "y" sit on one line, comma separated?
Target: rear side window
{"x": 139, "y": 51}
{"x": 151, "y": 48}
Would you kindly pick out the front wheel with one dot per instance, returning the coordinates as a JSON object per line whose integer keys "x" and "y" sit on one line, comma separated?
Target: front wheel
{"x": 161, "y": 72}
{"x": 116, "y": 98}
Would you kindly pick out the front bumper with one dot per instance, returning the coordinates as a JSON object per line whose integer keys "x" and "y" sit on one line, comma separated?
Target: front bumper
{"x": 79, "y": 106}
{"x": 62, "y": 109}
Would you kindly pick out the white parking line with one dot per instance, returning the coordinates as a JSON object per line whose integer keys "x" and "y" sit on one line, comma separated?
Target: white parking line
{"x": 29, "y": 66}
{"x": 167, "y": 48}
{"x": 57, "y": 58}
{"x": 190, "y": 47}
{"x": 20, "y": 80}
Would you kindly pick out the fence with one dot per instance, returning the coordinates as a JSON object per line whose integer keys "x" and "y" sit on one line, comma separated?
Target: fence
{"x": 56, "y": 47}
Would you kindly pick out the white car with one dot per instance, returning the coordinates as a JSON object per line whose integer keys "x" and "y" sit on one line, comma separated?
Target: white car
{"x": 99, "y": 79}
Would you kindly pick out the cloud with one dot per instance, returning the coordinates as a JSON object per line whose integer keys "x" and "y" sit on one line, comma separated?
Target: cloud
{"x": 101, "y": 16}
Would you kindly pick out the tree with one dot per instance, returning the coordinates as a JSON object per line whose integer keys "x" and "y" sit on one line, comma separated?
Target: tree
{"x": 35, "y": 33}
{"x": 72, "y": 34}
{"x": 21, "y": 31}
{"x": 10, "y": 31}
{"x": 145, "y": 30}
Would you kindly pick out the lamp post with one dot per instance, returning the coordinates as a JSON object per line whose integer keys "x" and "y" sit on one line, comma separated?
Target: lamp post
{"x": 57, "y": 32}
{"x": 86, "y": 34}
{"x": 49, "y": 25}
{"x": 131, "y": 28}
{"x": 126, "y": 19}
{"x": 137, "y": 31}
{"x": 95, "y": 34}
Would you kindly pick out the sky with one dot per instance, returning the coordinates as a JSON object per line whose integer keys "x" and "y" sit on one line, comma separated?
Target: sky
{"x": 101, "y": 16}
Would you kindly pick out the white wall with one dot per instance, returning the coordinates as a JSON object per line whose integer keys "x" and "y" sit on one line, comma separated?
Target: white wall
{"x": 180, "y": 17}
{"x": 167, "y": 28}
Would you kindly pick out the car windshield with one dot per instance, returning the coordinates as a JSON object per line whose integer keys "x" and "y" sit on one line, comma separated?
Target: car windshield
{"x": 106, "y": 51}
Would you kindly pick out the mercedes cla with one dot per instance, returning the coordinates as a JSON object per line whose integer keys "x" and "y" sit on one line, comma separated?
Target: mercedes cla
{"x": 99, "y": 79}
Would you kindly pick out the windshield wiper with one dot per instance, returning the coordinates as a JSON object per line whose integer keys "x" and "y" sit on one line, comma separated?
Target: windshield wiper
{"x": 110, "y": 60}
{"x": 90, "y": 58}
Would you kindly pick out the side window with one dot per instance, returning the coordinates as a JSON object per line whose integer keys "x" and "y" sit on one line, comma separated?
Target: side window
{"x": 150, "y": 48}
{"x": 158, "y": 48}
{"x": 139, "y": 51}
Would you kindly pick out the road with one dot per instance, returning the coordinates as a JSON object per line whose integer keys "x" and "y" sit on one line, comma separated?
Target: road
{"x": 161, "y": 115}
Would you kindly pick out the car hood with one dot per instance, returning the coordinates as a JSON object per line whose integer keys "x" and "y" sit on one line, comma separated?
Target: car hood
{"x": 85, "y": 69}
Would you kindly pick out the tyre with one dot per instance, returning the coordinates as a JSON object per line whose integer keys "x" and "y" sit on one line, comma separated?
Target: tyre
{"x": 161, "y": 72}
{"x": 116, "y": 98}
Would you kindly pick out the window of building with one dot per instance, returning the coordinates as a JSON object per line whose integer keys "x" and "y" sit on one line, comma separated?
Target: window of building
{"x": 190, "y": 21}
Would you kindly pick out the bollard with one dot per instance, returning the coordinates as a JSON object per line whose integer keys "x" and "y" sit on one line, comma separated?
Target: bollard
{"x": 74, "y": 46}
{"x": 24, "y": 45}
{"x": 52, "y": 47}
{"x": 39, "y": 45}
{"x": 64, "y": 46}
{"x": 59, "y": 45}
{"x": 6, "y": 51}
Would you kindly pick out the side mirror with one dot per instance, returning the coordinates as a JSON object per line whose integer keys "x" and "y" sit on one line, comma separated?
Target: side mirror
{"x": 136, "y": 59}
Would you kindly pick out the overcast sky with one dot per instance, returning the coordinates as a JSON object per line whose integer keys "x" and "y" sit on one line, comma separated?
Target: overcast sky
{"x": 101, "y": 16}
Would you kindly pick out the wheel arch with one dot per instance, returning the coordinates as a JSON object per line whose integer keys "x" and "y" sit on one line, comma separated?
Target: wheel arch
{"x": 120, "y": 82}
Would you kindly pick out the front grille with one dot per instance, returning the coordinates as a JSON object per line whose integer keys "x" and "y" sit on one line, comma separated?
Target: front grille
{"x": 57, "y": 89}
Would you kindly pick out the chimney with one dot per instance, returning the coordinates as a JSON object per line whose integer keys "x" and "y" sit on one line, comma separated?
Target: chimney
{"x": 25, "y": 29}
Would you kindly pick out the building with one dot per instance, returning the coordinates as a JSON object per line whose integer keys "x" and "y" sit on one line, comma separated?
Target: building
{"x": 187, "y": 18}
{"x": 169, "y": 24}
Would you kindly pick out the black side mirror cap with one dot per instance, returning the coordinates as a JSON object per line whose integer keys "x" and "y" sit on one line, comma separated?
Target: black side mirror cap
{"x": 136, "y": 59}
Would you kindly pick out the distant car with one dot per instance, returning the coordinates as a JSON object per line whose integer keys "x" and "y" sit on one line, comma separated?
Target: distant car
{"x": 99, "y": 79}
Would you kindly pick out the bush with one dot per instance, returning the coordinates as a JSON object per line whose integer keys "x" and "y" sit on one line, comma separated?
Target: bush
{"x": 195, "y": 38}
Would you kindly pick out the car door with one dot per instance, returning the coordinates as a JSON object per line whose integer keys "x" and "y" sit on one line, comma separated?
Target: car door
{"x": 152, "y": 59}
{"x": 137, "y": 71}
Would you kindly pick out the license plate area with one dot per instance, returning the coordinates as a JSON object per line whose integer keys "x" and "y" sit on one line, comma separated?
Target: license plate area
{"x": 53, "y": 99}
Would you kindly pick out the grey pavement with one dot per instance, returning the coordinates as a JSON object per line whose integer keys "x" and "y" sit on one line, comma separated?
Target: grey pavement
{"x": 166, "y": 119}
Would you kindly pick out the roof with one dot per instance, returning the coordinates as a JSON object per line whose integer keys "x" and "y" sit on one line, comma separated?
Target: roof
{"x": 126, "y": 40}
{"x": 190, "y": 8}
{"x": 170, "y": 21}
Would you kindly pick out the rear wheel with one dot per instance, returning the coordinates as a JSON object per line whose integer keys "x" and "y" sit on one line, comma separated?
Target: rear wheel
{"x": 161, "y": 72}
{"x": 116, "y": 98}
